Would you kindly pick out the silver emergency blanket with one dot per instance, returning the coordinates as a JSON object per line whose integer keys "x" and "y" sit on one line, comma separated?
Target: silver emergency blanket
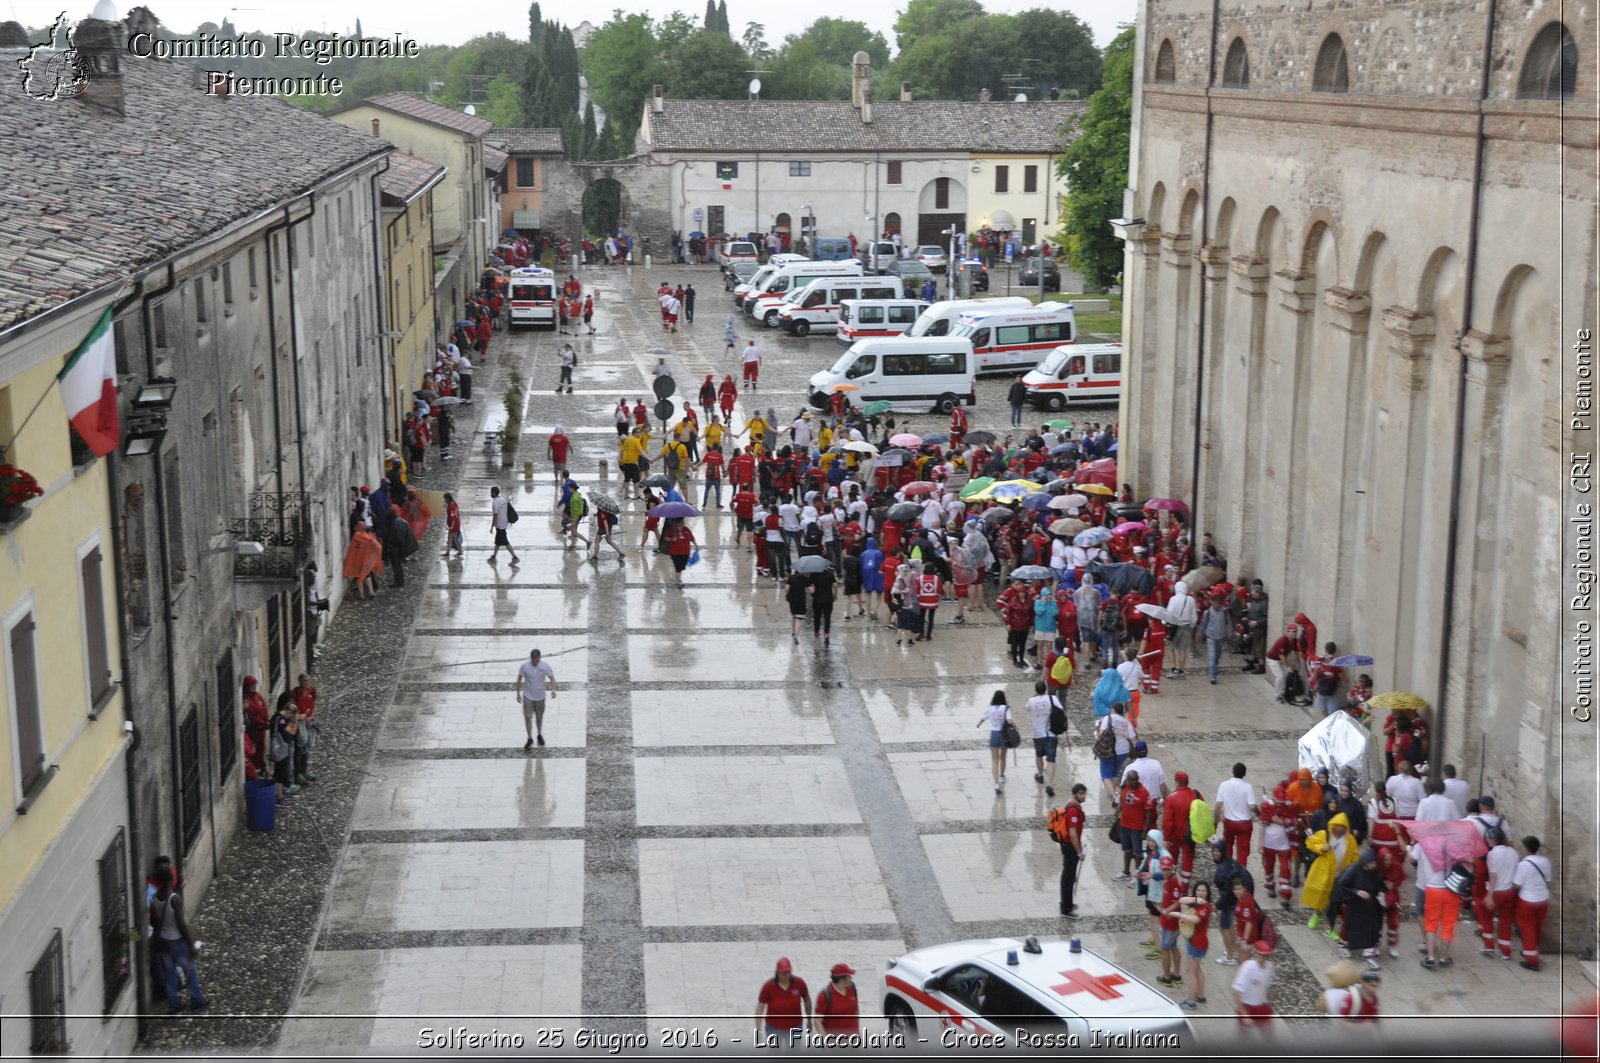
{"x": 1341, "y": 745}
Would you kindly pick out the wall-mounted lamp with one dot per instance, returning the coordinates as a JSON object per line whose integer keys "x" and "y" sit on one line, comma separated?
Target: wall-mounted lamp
{"x": 156, "y": 394}
{"x": 144, "y": 436}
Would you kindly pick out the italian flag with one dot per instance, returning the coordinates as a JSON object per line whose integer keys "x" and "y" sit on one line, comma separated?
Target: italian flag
{"x": 89, "y": 388}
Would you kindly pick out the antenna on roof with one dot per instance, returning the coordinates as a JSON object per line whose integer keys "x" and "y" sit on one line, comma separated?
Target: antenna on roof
{"x": 755, "y": 87}
{"x": 470, "y": 109}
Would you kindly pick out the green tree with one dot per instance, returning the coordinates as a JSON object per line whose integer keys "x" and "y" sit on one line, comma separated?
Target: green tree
{"x": 722, "y": 18}
{"x": 711, "y": 15}
{"x": 674, "y": 30}
{"x": 707, "y": 66}
{"x": 622, "y": 61}
{"x": 798, "y": 73}
{"x": 591, "y": 135}
{"x": 1095, "y": 167}
{"x": 837, "y": 40}
{"x": 1050, "y": 49}
{"x": 504, "y": 106}
{"x": 755, "y": 41}
{"x": 932, "y": 18}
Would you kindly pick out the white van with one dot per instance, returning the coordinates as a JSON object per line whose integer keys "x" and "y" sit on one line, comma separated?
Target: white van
{"x": 863, "y": 319}
{"x": 941, "y": 317}
{"x": 914, "y": 375}
{"x": 769, "y": 273}
{"x": 816, "y": 306}
{"x": 531, "y": 293}
{"x": 1090, "y": 373}
{"x": 1017, "y": 338}
{"x": 878, "y": 255}
{"x": 765, "y": 302}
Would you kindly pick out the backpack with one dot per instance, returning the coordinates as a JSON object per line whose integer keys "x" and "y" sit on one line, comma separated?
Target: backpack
{"x": 1327, "y": 683}
{"x": 511, "y": 513}
{"x": 1055, "y": 823}
{"x": 1202, "y": 825}
{"x": 1293, "y": 686}
{"x": 410, "y": 438}
{"x": 1061, "y": 676}
{"x": 1030, "y": 552}
{"x": 812, "y": 536}
{"x": 583, "y": 507}
{"x": 1459, "y": 879}
{"x": 1010, "y": 735}
{"x": 1105, "y": 743}
{"x": 670, "y": 459}
{"x": 1058, "y": 715}
{"x": 279, "y": 749}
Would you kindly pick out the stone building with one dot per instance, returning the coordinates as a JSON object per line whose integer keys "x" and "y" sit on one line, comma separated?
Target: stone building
{"x": 408, "y": 184}
{"x": 237, "y": 241}
{"x": 533, "y": 153}
{"x": 1359, "y": 241}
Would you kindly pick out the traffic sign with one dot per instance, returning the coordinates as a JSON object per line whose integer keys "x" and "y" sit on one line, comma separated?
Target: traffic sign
{"x": 664, "y": 387}
{"x": 665, "y": 409}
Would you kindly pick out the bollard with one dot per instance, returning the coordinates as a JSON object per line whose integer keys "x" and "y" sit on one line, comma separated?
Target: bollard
{"x": 527, "y": 469}
{"x": 646, "y": 261}
{"x": 574, "y": 263}
{"x": 605, "y": 473}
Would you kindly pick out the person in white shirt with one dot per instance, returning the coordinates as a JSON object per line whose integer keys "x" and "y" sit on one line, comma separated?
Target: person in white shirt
{"x": 500, "y": 507}
{"x": 1058, "y": 555}
{"x": 1498, "y": 905}
{"x": 1131, "y": 674}
{"x": 1184, "y": 617}
{"x": 1152, "y": 775}
{"x": 1440, "y": 909}
{"x": 1405, "y": 789}
{"x": 996, "y": 714}
{"x": 789, "y": 518}
{"x": 1251, "y": 985}
{"x": 1234, "y": 810}
{"x": 1456, "y": 791}
{"x": 932, "y": 514}
{"x": 801, "y": 430}
{"x": 954, "y": 508}
{"x": 534, "y": 677}
{"x": 1435, "y": 806}
{"x": 752, "y": 366}
{"x": 1044, "y": 742}
{"x": 1532, "y": 883}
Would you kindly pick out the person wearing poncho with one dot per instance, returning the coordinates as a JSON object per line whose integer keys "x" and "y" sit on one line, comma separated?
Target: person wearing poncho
{"x": 1109, "y": 691}
{"x": 1335, "y": 850}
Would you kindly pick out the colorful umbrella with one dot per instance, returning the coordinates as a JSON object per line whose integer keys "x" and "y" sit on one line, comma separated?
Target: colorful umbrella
{"x": 1038, "y": 501}
{"x": 1130, "y": 526}
{"x": 847, "y": 387}
{"x": 1446, "y": 841}
{"x": 1103, "y": 472}
{"x": 1058, "y": 424}
{"x": 872, "y": 409}
{"x": 1066, "y": 526}
{"x": 1091, "y": 537}
{"x": 1167, "y": 504}
{"x": 1096, "y": 489}
{"x": 906, "y": 439}
{"x": 1031, "y": 572}
{"x": 1399, "y": 701}
{"x": 918, "y": 487}
{"x": 674, "y": 509}
{"x": 1352, "y": 660}
{"x": 976, "y": 486}
{"x": 1012, "y": 489}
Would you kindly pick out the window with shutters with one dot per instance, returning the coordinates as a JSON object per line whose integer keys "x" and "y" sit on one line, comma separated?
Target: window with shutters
{"x": 524, "y": 173}
{"x": 228, "y": 723}
{"x": 27, "y": 718}
{"x": 941, "y": 193}
{"x": 893, "y": 176}
{"x": 189, "y": 776}
{"x": 47, "y": 1002}
{"x": 116, "y": 951}
{"x": 1030, "y": 178}
{"x": 96, "y": 644}
{"x": 1002, "y": 179}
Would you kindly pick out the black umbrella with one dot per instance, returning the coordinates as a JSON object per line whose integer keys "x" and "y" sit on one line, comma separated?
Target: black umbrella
{"x": 998, "y": 515}
{"x": 658, "y": 481}
{"x": 904, "y": 511}
{"x": 981, "y": 436}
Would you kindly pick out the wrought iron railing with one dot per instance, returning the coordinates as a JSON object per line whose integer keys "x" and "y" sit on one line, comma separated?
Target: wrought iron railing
{"x": 279, "y": 522}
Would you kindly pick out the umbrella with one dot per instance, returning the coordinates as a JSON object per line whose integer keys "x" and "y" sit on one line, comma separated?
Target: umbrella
{"x": 1352, "y": 660}
{"x": 981, "y": 436}
{"x": 425, "y": 394}
{"x": 906, "y": 439}
{"x": 1063, "y": 448}
{"x": 998, "y": 515}
{"x": 1166, "y": 503}
{"x": 813, "y": 563}
{"x": 658, "y": 481}
{"x": 872, "y": 409}
{"x": 1012, "y": 489}
{"x": 918, "y": 487}
{"x": 1129, "y": 526}
{"x": 976, "y": 486}
{"x": 896, "y": 452}
{"x": 1067, "y": 526}
{"x": 1058, "y": 424}
{"x": 674, "y": 509}
{"x": 1399, "y": 701}
{"x": 938, "y": 439}
{"x": 1060, "y": 503}
{"x": 1059, "y": 483}
{"x": 1037, "y": 501}
{"x": 465, "y": 322}
{"x": 1091, "y": 537}
{"x": 1161, "y": 614}
{"x": 1096, "y": 489}
{"x": 447, "y": 400}
{"x": 1032, "y": 572}
{"x": 1102, "y": 472}
{"x": 1444, "y": 841}
{"x": 1121, "y": 578}
{"x": 847, "y": 387}
{"x": 604, "y": 500}
{"x": 1201, "y": 578}
{"x": 860, "y": 447}
{"x": 904, "y": 512}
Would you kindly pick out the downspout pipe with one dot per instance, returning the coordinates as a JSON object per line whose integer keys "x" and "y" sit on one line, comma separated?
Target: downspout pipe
{"x": 388, "y": 388}
{"x": 1436, "y": 759}
{"x": 1200, "y": 313}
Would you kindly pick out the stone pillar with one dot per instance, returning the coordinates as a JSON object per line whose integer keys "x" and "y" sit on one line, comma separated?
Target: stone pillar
{"x": 1337, "y": 451}
{"x": 1139, "y": 296}
{"x": 1244, "y": 410}
{"x": 1174, "y": 413}
{"x": 1283, "y": 443}
{"x": 1217, "y": 446}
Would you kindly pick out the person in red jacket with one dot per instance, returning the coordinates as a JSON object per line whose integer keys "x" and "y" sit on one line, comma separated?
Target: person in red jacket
{"x": 930, "y": 589}
{"x": 641, "y": 415}
{"x": 1015, "y": 605}
{"x": 1175, "y": 825}
{"x": 958, "y": 426}
{"x": 680, "y": 544}
{"x": 727, "y": 395}
{"x": 1135, "y": 812}
{"x": 257, "y": 717}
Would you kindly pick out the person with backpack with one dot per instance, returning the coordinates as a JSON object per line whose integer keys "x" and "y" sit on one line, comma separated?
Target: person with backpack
{"x": 1049, "y": 720}
{"x": 577, "y": 509}
{"x": 1325, "y": 680}
{"x": 503, "y": 516}
{"x": 1045, "y": 613}
{"x": 838, "y": 1009}
{"x": 997, "y": 714}
{"x": 173, "y": 942}
{"x": 1177, "y": 823}
{"x": 280, "y": 748}
{"x": 675, "y": 463}
{"x": 1065, "y": 825}
{"x": 1185, "y": 615}
{"x": 1227, "y": 871}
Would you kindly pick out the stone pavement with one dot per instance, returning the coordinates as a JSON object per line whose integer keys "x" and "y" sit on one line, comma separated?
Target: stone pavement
{"x": 714, "y": 795}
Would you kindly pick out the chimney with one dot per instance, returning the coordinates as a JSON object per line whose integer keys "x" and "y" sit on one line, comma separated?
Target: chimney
{"x": 374, "y": 127}
{"x": 99, "y": 46}
{"x": 983, "y": 96}
{"x": 658, "y": 100}
{"x": 905, "y": 92}
{"x": 860, "y": 77}
{"x": 866, "y": 105}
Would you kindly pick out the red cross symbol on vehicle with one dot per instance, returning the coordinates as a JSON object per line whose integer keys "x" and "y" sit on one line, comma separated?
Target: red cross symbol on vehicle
{"x": 1080, "y": 981}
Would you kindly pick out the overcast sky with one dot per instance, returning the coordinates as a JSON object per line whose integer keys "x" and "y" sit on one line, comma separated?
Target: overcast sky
{"x": 431, "y": 22}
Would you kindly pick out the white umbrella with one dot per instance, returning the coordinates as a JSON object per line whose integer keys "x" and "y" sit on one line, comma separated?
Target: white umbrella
{"x": 861, "y": 447}
{"x": 1159, "y": 612}
{"x": 1062, "y": 502}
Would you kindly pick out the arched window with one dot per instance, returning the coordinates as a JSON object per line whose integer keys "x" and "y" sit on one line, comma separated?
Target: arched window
{"x": 1166, "y": 65}
{"x": 1236, "y": 68}
{"x": 1333, "y": 66}
{"x": 1550, "y": 69}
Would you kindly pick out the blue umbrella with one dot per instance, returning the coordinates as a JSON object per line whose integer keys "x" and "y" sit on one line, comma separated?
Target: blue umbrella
{"x": 1038, "y": 500}
{"x": 1008, "y": 491}
{"x": 1092, "y": 537}
{"x": 674, "y": 509}
{"x": 1062, "y": 448}
{"x": 937, "y": 439}
{"x": 1352, "y": 660}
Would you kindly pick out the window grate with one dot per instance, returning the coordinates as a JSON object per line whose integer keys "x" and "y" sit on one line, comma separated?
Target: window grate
{"x": 189, "y": 776}
{"x": 116, "y": 951}
{"x": 47, "y": 1001}
{"x": 275, "y": 641}
{"x": 227, "y": 716}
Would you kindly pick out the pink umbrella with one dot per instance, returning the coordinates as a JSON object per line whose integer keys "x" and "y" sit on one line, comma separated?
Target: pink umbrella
{"x": 1446, "y": 841}
{"x": 905, "y": 439}
{"x": 1166, "y": 503}
{"x": 919, "y": 487}
{"x": 1129, "y": 526}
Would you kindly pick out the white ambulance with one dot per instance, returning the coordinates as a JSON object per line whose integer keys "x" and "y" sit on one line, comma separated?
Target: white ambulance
{"x": 861, "y": 319}
{"x": 815, "y": 307}
{"x": 765, "y": 302}
{"x": 531, "y": 292}
{"x": 918, "y": 375}
{"x": 1008, "y": 339}
{"x": 939, "y": 318}
{"x": 1073, "y": 374}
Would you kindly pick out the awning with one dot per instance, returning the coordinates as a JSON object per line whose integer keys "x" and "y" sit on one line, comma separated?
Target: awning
{"x": 1001, "y": 221}
{"x": 525, "y": 219}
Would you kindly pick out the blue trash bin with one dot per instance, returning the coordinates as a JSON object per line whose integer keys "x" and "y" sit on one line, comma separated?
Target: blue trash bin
{"x": 261, "y": 804}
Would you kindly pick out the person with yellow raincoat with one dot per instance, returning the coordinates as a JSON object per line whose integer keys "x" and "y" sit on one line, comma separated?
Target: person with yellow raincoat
{"x": 1335, "y": 849}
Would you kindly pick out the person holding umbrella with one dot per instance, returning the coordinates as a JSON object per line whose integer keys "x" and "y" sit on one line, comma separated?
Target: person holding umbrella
{"x": 795, "y": 595}
{"x": 823, "y": 593}
{"x": 680, "y": 544}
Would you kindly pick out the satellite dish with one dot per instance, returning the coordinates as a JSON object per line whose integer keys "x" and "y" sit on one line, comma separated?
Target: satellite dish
{"x": 755, "y": 86}
{"x": 470, "y": 109}
{"x": 1022, "y": 97}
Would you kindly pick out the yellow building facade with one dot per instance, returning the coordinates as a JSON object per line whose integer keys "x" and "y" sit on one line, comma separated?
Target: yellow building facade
{"x": 65, "y": 909}
{"x": 1018, "y": 193}
{"x": 408, "y": 215}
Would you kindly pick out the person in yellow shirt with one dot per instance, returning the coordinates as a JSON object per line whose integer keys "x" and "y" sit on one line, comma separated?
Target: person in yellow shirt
{"x": 756, "y": 428}
{"x": 675, "y": 464}
{"x": 629, "y": 448}
{"x": 824, "y": 439}
{"x": 713, "y": 435}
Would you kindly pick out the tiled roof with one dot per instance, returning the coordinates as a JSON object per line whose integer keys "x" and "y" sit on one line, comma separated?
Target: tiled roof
{"x": 812, "y": 126}
{"x": 419, "y": 108}
{"x": 87, "y": 198}
{"x": 494, "y": 160}
{"x": 406, "y": 176}
{"x": 527, "y": 141}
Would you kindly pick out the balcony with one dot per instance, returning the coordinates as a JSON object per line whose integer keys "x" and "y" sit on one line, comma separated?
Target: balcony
{"x": 278, "y": 521}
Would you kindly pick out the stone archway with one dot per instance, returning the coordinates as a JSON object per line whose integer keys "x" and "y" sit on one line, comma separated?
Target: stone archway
{"x": 603, "y": 199}
{"x": 641, "y": 198}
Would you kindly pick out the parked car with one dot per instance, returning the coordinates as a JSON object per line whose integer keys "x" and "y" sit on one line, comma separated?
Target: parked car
{"x": 1030, "y": 274}
{"x": 736, "y": 251}
{"x": 878, "y": 255}
{"x": 738, "y": 273}
{"x": 980, "y": 272}
{"x": 911, "y": 271}
{"x": 933, "y": 256}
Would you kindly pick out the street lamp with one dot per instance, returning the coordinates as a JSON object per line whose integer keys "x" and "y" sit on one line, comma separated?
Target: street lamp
{"x": 811, "y": 242}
